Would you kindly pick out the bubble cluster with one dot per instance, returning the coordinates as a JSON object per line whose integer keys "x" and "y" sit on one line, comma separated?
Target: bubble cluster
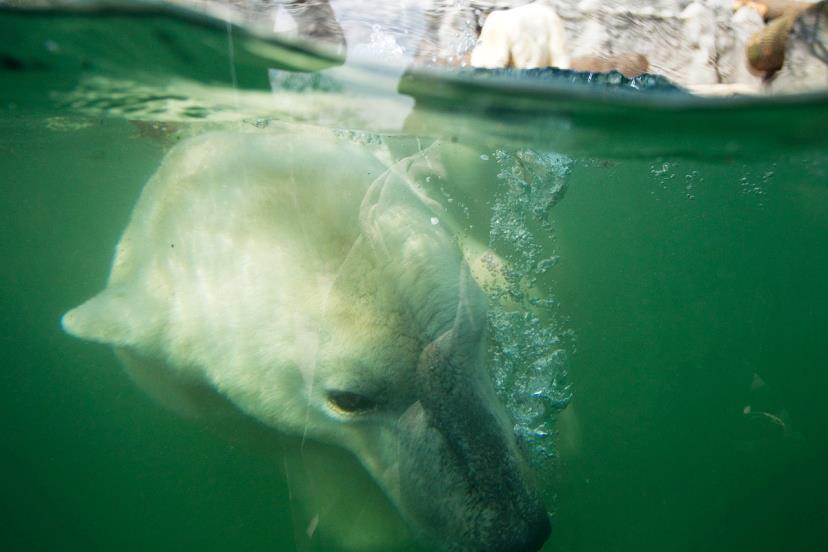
{"x": 666, "y": 173}
{"x": 295, "y": 81}
{"x": 756, "y": 185}
{"x": 529, "y": 342}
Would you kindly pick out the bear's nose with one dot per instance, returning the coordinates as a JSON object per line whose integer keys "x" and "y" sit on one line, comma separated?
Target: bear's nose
{"x": 538, "y": 532}
{"x": 530, "y": 538}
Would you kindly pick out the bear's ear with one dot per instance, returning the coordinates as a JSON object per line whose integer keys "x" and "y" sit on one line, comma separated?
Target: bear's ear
{"x": 407, "y": 234}
{"x": 470, "y": 321}
{"x": 106, "y": 318}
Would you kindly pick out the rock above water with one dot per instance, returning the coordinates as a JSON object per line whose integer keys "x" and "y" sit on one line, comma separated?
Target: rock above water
{"x": 805, "y": 68}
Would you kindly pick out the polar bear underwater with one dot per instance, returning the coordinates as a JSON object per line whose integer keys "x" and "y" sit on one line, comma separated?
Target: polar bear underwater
{"x": 297, "y": 279}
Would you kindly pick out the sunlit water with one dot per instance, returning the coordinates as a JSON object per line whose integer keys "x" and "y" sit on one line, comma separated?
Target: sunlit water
{"x": 656, "y": 324}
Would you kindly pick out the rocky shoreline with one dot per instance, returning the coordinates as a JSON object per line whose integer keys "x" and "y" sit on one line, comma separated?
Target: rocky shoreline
{"x": 710, "y": 47}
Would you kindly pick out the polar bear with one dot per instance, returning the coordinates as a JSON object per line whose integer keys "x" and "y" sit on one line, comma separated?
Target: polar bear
{"x": 526, "y": 37}
{"x": 318, "y": 291}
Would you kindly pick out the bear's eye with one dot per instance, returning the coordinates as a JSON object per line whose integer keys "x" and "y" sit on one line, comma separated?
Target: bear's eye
{"x": 351, "y": 403}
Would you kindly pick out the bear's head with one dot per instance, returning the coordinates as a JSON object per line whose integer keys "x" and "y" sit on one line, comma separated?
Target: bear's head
{"x": 270, "y": 271}
{"x": 417, "y": 405}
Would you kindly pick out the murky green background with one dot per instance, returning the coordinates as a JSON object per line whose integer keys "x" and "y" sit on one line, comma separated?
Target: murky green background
{"x": 692, "y": 274}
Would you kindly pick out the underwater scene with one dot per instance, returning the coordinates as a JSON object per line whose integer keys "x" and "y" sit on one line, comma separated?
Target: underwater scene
{"x": 415, "y": 275}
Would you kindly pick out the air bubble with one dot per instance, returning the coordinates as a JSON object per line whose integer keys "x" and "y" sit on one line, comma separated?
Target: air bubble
{"x": 529, "y": 340}
{"x": 545, "y": 264}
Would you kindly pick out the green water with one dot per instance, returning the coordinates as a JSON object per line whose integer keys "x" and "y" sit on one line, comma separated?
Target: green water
{"x": 691, "y": 284}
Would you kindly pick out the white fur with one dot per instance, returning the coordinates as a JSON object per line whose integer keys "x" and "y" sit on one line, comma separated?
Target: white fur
{"x": 268, "y": 270}
{"x": 524, "y": 37}
{"x": 227, "y": 269}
